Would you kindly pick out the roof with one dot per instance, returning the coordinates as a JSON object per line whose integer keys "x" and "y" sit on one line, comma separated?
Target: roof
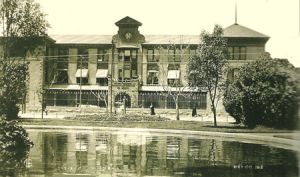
{"x": 237, "y": 30}
{"x": 233, "y": 31}
{"x": 82, "y": 39}
{"x": 107, "y": 39}
{"x": 128, "y": 21}
{"x": 172, "y": 39}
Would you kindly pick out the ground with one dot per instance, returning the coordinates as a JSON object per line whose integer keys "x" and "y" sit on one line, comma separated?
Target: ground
{"x": 190, "y": 125}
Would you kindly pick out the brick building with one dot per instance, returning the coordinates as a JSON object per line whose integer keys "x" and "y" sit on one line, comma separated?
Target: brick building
{"x": 92, "y": 71}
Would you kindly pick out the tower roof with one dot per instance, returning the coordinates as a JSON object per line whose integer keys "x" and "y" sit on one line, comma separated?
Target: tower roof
{"x": 237, "y": 30}
{"x": 128, "y": 21}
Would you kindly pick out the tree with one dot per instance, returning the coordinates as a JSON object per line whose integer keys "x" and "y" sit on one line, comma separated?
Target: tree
{"x": 13, "y": 88}
{"x": 175, "y": 87}
{"x": 265, "y": 93}
{"x": 207, "y": 68}
{"x": 23, "y": 30}
{"x": 14, "y": 147}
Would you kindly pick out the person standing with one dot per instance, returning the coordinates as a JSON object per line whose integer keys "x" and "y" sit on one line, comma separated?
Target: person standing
{"x": 152, "y": 112}
{"x": 194, "y": 112}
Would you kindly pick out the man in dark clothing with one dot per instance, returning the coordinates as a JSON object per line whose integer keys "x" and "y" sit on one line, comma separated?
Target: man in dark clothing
{"x": 194, "y": 112}
{"x": 152, "y": 109}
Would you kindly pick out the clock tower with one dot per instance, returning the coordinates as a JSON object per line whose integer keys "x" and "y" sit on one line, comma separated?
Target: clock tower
{"x": 127, "y": 62}
{"x": 128, "y": 34}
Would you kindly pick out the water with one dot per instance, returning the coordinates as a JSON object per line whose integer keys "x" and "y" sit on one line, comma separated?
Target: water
{"x": 120, "y": 153}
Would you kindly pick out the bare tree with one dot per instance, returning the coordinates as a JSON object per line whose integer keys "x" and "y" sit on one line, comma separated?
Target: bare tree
{"x": 101, "y": 95}
{"x": 174, "y": 86}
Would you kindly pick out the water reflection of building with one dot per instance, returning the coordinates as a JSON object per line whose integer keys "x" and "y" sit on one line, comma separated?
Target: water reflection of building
{"x": 103, "y": 154}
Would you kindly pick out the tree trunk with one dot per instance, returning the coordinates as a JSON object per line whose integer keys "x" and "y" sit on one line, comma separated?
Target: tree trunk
{"x": 177, "y": 110}
{"x": 215, "y": 116}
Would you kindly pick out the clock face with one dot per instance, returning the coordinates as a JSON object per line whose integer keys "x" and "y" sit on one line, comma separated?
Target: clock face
{"x": 128, "y": 36}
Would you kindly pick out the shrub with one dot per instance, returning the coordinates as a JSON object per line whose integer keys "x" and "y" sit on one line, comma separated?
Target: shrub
{"x": 264, "y": 93}
{"x": 14, "y": 147}
{"x": 12, "y": 88}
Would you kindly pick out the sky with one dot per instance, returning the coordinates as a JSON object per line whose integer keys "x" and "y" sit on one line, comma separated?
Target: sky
{"x": 279, "y": 19}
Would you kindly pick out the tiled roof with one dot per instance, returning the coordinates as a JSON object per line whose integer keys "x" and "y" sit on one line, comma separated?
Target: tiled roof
{"x": 234, "y": 30}
{"x": 172, "y": 39}
{"x": 82, "y": 39}
{"x": 107, "y": 39}
{"x": 237, "y": 30}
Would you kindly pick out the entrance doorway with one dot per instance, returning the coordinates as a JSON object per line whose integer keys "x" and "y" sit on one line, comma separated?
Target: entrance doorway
{"x": 120, "y": 97}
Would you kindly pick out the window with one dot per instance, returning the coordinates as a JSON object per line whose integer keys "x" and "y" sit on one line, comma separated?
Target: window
{"x": 102, "y": 81}
{"x": 120, "y": 74}
{"x": 128, "y": 67}
{"x": 84, "y": 80}
{"x": 127, "y": 55}
{"x": 83, "y": 58}
{"x": 101, "y": 77}
{"x": 173, "y": 82}
{"x": 102, "y": 59}
{"x": 178, "y": 54}
{"x": 156, "y": 55}
{"x": 152, "y": 78}
{"x": 121, "y": 55}
{"x": 174, "y": 66}
{"x": 61, "y": 62}
{"x": 152, "y": 75}
{"x": 153, "y": 66}
{"x": 62, "y": 77}
{"x": 127, "y": 73}
{"x": 243, "y": 53}
{"x": 193, "y": 52}
{"x": 133, "y": 54}
{"x": 173, "y": 77}
{"x": 82, "y": 76}
{"x": 150, "y": 55}
{"x": 171, "y": 55}
{"x": 237, "y": 53}
{"x": 159, "y": 100}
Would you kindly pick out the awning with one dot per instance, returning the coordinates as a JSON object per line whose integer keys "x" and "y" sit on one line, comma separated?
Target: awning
{"x": 82, "y": 73}
{"x": 159, "y": 88}
{"x": 102, "y": 73}
{"x": 77, "y": 87}
{"x": 173, "y": 74}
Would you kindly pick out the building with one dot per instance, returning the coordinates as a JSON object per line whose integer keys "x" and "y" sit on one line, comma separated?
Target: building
{"x": 92, "y": 71}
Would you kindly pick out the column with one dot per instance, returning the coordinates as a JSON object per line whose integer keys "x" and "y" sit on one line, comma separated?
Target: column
{"x": 92, "y": 65}
{"x": 72, "y": 66}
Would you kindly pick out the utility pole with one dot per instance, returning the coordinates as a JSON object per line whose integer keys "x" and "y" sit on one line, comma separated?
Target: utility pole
{"x": 80, "y": 82}
{"x": 111, "y": 84}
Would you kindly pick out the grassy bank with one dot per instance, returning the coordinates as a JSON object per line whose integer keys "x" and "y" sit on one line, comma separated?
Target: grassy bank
{"x": 155, "y": 122}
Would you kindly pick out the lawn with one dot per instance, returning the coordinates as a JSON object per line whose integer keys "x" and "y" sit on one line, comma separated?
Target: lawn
{"x": 143, "y": 121}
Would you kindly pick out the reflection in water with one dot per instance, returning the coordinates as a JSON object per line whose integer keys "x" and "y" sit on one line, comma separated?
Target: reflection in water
{"x": 122, "y": 154}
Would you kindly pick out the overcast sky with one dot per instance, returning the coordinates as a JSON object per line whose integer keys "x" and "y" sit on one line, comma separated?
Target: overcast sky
{"x": 278, "y": 19}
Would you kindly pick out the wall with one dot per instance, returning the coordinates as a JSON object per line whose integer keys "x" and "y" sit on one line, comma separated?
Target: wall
{"x": 36, "y": 74}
